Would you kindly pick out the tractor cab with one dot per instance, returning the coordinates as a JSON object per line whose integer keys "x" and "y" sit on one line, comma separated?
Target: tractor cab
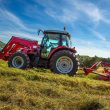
{"x": 53, "y": 39}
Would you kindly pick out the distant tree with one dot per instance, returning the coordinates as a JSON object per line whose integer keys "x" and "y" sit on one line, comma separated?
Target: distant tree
{"x": 88, "y": 61}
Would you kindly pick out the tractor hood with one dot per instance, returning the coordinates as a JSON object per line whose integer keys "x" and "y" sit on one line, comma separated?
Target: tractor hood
{"x": 24, "y": 42}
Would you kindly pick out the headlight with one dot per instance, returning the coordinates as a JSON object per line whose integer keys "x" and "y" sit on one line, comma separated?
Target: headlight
{"x": 34, "y": 47}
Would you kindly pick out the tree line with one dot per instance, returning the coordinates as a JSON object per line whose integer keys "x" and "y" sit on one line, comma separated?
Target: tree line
{"x": 89, "y": 61}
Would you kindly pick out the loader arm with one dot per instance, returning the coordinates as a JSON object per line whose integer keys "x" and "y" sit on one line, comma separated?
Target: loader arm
{"x": 17, "y": 44}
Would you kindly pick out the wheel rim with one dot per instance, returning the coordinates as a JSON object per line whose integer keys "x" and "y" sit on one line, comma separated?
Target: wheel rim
{"x": 17, "y": 62}
{"x": 64, "y": 64}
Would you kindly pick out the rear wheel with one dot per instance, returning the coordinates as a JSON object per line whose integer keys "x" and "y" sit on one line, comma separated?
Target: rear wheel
{"x": 64, "y": 62}
{"x": 19, "y": 60}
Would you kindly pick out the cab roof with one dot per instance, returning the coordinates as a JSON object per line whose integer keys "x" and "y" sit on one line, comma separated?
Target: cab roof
{"x": 57, "y": 32}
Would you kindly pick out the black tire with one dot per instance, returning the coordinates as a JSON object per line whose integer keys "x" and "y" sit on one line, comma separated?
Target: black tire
{"x": 70, "y": 62}
{"x": 19, "y": 60}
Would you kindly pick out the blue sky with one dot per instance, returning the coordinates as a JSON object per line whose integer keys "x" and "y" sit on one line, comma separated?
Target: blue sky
{"x": 88, "y": 21}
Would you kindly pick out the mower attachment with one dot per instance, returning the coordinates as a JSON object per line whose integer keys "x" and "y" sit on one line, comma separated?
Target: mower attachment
{"x": 105, "y": 75}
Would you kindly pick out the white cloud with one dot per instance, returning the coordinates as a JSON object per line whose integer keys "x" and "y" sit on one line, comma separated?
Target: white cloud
{"x": 58, "y": 11}
{"x": 6, "y": 35}
{"x": 65, "y": 16}
{"x": 92, "y": 48}
{"x": 90, "y": 10}
{"x": 81, "y": 42}
{"x": 95, "y": 13}
{"x": 7, "y": 16}
{"x": 14, "y": 26}
{"x": 10, "y": 21}
{"x": 92, "y": 51}
{"x": 100, "y": 36}
{"x": 67, "y": 11}
{"x": 9, "y": 34}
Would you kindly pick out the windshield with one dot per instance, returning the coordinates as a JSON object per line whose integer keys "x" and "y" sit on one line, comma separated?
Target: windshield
{"x": 51, "y": 40}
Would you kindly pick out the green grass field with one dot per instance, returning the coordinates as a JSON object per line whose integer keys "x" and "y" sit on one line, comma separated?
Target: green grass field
{"x": 39, "y": 89}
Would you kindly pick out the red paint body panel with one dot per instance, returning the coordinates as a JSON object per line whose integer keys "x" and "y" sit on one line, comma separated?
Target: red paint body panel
{"x": 15, "y": 44}
{"x": 61, "y": 48}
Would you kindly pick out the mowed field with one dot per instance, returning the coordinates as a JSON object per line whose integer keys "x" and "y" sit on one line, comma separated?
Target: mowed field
{"x": 40, "y": 89}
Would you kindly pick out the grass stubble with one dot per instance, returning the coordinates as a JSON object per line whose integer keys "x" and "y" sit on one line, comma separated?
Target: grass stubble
{"x": 40, "y": 89}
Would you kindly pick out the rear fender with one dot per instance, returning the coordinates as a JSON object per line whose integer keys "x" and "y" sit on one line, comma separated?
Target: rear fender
{"x": 59, "y": 49}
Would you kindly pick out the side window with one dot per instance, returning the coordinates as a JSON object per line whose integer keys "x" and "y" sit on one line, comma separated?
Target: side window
{"x": 69, "y": 41}
{"x": 64, "y": 40}
{"x": 53, "y": 41}
{"x": 50, "y": 41}
{"x": 45, "y": 40}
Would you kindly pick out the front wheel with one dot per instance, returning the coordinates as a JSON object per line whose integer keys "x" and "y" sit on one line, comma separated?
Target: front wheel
{"x": 64, "y": 62}
{"x": 19, "y": 60}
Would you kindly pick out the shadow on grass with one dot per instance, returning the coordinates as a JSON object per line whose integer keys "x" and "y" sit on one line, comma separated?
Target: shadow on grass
{"x": 91, "y": 105}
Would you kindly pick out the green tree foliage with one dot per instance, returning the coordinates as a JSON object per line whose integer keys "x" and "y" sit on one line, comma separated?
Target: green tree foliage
{"x": 88, "y": 61}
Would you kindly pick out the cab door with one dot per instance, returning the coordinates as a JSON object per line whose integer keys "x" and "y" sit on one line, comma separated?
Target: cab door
{"x": 49, "y": 42}
{"x": 44, "y": 47}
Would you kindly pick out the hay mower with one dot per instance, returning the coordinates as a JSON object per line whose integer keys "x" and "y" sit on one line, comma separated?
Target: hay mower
{"x": 54, "y": 52}
{"x": 104, "y": 75}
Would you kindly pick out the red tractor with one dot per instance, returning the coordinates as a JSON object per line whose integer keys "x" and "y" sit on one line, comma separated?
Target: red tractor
{"x": 54, "y": 52}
